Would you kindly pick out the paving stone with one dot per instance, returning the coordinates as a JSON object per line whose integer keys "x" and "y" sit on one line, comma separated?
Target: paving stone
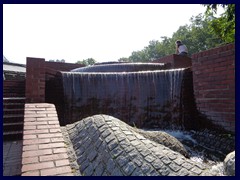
{"x": 129, "y": 168}
{"x": 111, "y": 147}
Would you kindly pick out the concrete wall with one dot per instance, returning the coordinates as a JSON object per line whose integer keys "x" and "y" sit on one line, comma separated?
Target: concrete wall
{"x": 214, "y": 85}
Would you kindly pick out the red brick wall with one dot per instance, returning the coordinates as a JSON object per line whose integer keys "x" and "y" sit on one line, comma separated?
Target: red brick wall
{"x": 35, "y": 80}
{"x": 214, "y": 85}
{"x": 14, "y": 88}
{"x": 51, "y": 68}
{"x": 176, "y": 61}
{"x": 38, "y": 72}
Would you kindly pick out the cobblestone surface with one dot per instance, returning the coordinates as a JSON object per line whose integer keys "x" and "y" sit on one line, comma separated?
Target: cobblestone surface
{"x": 165, "y": 139}
{"x": 106, "y": 146}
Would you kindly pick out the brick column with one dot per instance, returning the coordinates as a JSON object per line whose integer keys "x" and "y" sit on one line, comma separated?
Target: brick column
{"x": 35, "y": 80}
{"x": 176, "y": 61}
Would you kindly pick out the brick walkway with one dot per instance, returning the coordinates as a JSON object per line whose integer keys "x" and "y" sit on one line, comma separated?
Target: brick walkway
{"x": 44, "y": 151}
{"x": 12, "y": 158}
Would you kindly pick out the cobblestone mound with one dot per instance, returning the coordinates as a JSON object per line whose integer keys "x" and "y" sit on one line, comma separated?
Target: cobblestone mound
{"x": 164, "y": 139}
{"x": 106, "y": 146}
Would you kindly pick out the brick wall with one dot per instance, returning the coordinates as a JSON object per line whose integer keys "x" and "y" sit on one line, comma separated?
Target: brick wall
{"x": 35, "y": 80}
{"x": 44, "y": 152}
{"x": 214, "y": 85}
{"x": 14, "y": 88}
{"x": 51, "y": 68}
{"x": 38, "y": 72}
{"x": 176, "y": 61}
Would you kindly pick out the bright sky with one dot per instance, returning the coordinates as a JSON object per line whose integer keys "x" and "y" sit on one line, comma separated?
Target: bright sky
{"x": 77, "y": 32}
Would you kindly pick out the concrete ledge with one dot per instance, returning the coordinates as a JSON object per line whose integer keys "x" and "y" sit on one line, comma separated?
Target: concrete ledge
{"x": 44, "y": 151}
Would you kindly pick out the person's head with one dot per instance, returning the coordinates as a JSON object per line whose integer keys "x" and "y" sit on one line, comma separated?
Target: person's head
{"x": 178, "y": 42}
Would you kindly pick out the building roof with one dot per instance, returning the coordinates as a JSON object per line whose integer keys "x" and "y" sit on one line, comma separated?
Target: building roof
{"x": 14, "y": 67}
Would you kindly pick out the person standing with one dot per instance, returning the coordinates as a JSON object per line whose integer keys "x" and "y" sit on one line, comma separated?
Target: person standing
{"x": 181, "y": 49}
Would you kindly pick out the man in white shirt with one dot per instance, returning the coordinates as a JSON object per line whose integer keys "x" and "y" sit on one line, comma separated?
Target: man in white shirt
{"x": 181, "y": 49}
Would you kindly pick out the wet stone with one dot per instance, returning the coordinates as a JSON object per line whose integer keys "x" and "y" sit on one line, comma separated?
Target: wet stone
{"x": 131, "y": 137}
{"x": 157, "y": 164}
{"x": 154, "y": 173}
{"x": 164, "y": 171}
{"x": 196, "y": 170}
{"x": 179, "y": 161}
{"x": 174, "y": 167}
{"x": 149, "y": 158}
{"x": 116, "y": 152}
{"x": 120, "y": 137}
{"x": 145, "y": 168}
{"x": 98, "y": 143}
{"x": 102, "y": 129}
{"x": 145, "y": 152}
{"x": 83, "y": 165}
{"x": 106, "y": 133}
{"x": 137, "y": 161}
{"x": 109, "y": 138}
{"x": 129, "y": 168}
{"x": 89, "y": 170}
{"x": 133, "y": 154}
{"x": 135, "y": 142}
{"x": 188, "y": 166}
{"x": 92, "y": 155}
{"x": 128, "y": 149}
{"x": 183, "y": 172}
{"x": 110, "y": 165}
{"x": 165, "y": 160}
{"x": 99, "y": 170}
{"x": 122, "y": 160}
{"x": 172, "y": 156}
{"x": 137, "y": 172}
{"x": 117, "y": 172}
{"x": 99, "y": 122}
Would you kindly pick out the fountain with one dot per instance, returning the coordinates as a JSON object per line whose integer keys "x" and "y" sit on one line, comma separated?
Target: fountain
{"x": 136, "y": 95}
{"x": 143, "y": 95}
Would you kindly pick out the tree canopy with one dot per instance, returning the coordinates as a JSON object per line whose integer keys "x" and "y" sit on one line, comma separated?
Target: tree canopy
{"x": 204, "y": 32}
{"x": 87, "y": 62}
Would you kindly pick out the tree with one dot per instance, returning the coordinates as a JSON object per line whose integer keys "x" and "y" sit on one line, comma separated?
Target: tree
{"x": 87, "y": 62}
{"x": 223, "y": 26}
{"x": 123, "y": 59}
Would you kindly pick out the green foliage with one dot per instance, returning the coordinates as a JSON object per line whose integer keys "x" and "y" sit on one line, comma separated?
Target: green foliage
{"x": 224, "y": 26}
{"x": 87, "y": 62}
{"x": 204, "y": 32}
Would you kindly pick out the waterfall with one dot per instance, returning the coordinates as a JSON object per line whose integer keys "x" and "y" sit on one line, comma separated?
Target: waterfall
{"x": 142, "y": 98}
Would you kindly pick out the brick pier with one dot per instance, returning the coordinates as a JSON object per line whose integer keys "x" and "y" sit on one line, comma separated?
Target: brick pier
{"x": 44, "y": 151}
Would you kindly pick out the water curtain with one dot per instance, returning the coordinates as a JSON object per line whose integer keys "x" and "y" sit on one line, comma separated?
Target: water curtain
{"x": 141, "y": 98}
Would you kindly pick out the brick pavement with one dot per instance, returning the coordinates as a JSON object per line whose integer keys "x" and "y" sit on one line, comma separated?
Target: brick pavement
{"x": 12, "y": 158}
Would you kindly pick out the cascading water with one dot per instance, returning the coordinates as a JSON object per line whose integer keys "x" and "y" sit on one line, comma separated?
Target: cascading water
{"x": 144, "y": 98}
{"x": 122, "y": 67}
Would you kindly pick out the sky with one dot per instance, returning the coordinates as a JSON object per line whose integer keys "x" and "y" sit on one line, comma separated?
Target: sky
{"x": 104, "y": 32}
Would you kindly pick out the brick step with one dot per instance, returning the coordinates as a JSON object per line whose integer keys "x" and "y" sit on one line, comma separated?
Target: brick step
{"x": 12, "y": 135}
{"x": 13, "y": 111}
{"x": 11, "y": 99}
{"x": 16, "y": 105}
{"x": 13, "y": 126}
{"x": 13, "y": 118}
{"x": 13, "y": 94}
